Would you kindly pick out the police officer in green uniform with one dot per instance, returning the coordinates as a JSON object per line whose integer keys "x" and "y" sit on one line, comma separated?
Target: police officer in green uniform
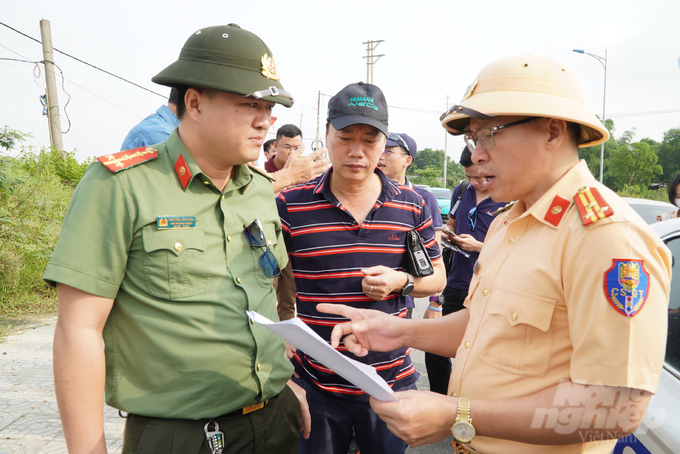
{"x": 162, "y": 252}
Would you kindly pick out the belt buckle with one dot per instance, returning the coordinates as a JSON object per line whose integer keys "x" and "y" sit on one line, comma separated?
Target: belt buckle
{"x": 253, "y": 408}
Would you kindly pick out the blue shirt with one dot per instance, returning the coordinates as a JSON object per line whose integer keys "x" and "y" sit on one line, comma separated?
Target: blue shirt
{"x": 461, "y": 268}
{"x": 433, "y": 207}
{"x": 152, "y": 130}
{"x": 328, "y": 249}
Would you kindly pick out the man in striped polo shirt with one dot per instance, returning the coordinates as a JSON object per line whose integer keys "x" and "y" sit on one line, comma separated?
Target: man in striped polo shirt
{"x": 345, "y": 232}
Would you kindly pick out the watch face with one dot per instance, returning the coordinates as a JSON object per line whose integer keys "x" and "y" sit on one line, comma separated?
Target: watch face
{"x": 463, "y": 431}
{"x": 408, "y": 288}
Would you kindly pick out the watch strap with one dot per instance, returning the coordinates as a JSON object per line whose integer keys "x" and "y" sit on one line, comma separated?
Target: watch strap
{"x": 464, "y": 410}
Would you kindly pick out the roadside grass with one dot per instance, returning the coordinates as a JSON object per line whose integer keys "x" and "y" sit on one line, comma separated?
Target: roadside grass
{"x": 35, "y": 191}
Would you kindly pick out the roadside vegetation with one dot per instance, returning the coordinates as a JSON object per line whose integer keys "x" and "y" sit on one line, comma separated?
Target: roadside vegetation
{"x": 35, "y": 189}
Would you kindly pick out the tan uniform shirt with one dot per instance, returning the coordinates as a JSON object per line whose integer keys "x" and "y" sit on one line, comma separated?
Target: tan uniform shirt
{"x": 539, "y": 312}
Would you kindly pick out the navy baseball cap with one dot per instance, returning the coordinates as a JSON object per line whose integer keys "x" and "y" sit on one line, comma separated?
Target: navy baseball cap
{"x": 358, "y": 103}
{"x": 404, "y": 141}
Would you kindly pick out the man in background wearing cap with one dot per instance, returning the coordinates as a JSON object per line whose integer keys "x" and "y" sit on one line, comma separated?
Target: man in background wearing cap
{"x": 400, "y": 153}
{"x": 345, "y": 232}
{"x": 163, "y": 251}
{"x": 562, "y": 340}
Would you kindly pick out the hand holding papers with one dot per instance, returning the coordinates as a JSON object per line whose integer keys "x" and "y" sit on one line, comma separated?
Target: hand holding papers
{"x": 300, "y": 335}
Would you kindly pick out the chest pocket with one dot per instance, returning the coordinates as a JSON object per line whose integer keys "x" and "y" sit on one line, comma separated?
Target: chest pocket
{"x": 269, "y": 231}
{"x": 175, "y": 265}
{"x": 519, "y": 335}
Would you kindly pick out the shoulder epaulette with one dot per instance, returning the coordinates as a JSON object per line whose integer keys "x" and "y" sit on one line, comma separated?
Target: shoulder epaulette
{"x": 505, "y": 208}
{"x": 128, "y": 158}
{"x": 259, "y": 171}
{"x": 591, "y": 206}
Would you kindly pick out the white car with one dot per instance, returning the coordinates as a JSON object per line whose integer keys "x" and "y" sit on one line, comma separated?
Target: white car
{"x": 649, "y": 209}
{"x": 659, "y": 431}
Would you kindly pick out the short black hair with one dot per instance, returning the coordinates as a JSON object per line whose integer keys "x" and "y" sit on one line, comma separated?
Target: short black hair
{"x": 671, "y": 188}
{"x": 288, "y": 131}
{"x": 173, "y": 96}
{"x": 268, "y": 144}
{"x": 181, "y": 94}
{"x": 466, "y": 157}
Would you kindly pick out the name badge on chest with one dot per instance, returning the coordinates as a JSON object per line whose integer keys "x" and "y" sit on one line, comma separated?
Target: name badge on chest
{"x": 176, "y": 222}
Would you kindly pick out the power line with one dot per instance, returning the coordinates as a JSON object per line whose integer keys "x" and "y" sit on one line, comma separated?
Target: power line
{"x": 86, "y": 63}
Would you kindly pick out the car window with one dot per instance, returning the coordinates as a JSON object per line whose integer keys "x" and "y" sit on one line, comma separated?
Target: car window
{"x": 650, "y": 212}
{"x": 673, "y": 344}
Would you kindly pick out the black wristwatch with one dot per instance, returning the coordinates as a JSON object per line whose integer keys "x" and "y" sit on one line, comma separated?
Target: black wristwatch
{"x": 439, "y": 299}
{"x": 408, "y": 288}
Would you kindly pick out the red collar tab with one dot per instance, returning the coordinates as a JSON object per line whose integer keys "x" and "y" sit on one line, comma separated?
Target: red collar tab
{"x": 182, "y": 171}
{"x": 128, "y": 158}
{"x": 591, "y": 206}
{"x": 557, "y": 209}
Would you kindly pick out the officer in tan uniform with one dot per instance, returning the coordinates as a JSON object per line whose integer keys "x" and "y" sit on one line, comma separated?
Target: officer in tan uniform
{"x": 162, "y": 252}
{"x": 562, "y": 340}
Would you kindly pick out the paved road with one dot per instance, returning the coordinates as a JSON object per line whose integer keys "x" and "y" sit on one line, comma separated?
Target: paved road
{"x": 29, "y": 418}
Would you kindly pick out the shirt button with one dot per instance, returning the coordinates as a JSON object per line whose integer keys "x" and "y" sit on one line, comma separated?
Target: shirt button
{"x": 467, "y": 344}
{"x": 238, "y": 279}
{"x": 178, "y": 246}
{"x": 257, "y": 367}
{"x": 252, "y": 322}
{"x": 511, "y": 240}
{"x": 485, "y": 291}
{"x": 513, "y": 315}
{"x": 269, "y": 242}
{"x": 228, "y": 238}
{"x": 206, "y": 182}
{"x": 453, "y": 395}
{"x": 224, "y": 196}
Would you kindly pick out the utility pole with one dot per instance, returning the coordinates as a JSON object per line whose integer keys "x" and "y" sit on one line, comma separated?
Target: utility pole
{"x": 51, "y": 87}
{"x": 371, "y": 58}
{"x": 446, "y": 136}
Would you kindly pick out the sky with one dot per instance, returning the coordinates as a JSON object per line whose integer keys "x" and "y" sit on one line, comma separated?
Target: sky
{"x": 433, "y": 49}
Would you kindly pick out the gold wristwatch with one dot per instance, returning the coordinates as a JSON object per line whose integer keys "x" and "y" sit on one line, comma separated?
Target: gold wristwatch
{"x": 463, "y": 430}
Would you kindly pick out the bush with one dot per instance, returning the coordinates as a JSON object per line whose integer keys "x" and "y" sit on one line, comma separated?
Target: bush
{"x": 35, "y": 191}
{"x": 642, "y": 192}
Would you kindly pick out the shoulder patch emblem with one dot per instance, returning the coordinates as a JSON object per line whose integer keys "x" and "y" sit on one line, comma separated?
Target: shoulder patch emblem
{"x": 128, "y": 158}
{"x": 182, "y": 171}
{"x": 591, "y": 206}
{"x": 556, "y": 211}
{"x": 626, "y": 286}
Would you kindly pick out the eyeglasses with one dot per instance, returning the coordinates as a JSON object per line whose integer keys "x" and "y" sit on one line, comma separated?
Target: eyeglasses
{"x": 472, "y": 218}
{"x": 291, "y": 148}
{"x": 400, "y": 141}
{"x": 485, "y": 136}
{"x": 268, "y": 263}
{"x": 393, "y": 149}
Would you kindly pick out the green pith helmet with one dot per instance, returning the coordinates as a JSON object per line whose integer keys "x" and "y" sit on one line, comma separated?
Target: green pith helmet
{"x": 227, "y": 58}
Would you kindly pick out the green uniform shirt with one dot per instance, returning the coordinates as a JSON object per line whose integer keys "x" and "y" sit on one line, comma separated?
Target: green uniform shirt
{"x": 178, "y": 341}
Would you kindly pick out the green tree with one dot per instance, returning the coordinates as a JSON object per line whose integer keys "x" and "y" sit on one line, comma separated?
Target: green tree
{"x": 633, "y": 164}
{"x": 429, "y": 176}
{"x": 669, "y": 154}
{"x": 10, "y": 137}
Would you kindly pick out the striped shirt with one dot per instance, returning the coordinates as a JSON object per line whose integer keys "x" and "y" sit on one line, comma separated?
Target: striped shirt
{"x": 328, "y": 249}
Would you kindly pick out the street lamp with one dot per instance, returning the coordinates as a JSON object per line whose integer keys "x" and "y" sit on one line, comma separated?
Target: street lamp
{"x": 603, "y": 62}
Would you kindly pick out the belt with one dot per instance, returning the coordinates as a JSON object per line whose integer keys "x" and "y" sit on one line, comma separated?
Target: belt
{"x": 462, "y": 448}
{"x": 249, "y": 408}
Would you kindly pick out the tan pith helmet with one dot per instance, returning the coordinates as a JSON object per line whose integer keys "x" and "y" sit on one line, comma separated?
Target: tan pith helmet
{"x": 530, "y": 85}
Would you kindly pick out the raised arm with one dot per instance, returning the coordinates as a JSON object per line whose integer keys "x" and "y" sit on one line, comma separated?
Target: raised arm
{"x": 80, "y": 369}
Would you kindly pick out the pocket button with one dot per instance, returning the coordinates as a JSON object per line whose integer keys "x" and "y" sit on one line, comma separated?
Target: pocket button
{"x": 178, "y": 246}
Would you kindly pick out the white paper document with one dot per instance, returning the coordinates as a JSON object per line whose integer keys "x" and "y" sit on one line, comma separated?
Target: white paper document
{"x": 302, "y": 337}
